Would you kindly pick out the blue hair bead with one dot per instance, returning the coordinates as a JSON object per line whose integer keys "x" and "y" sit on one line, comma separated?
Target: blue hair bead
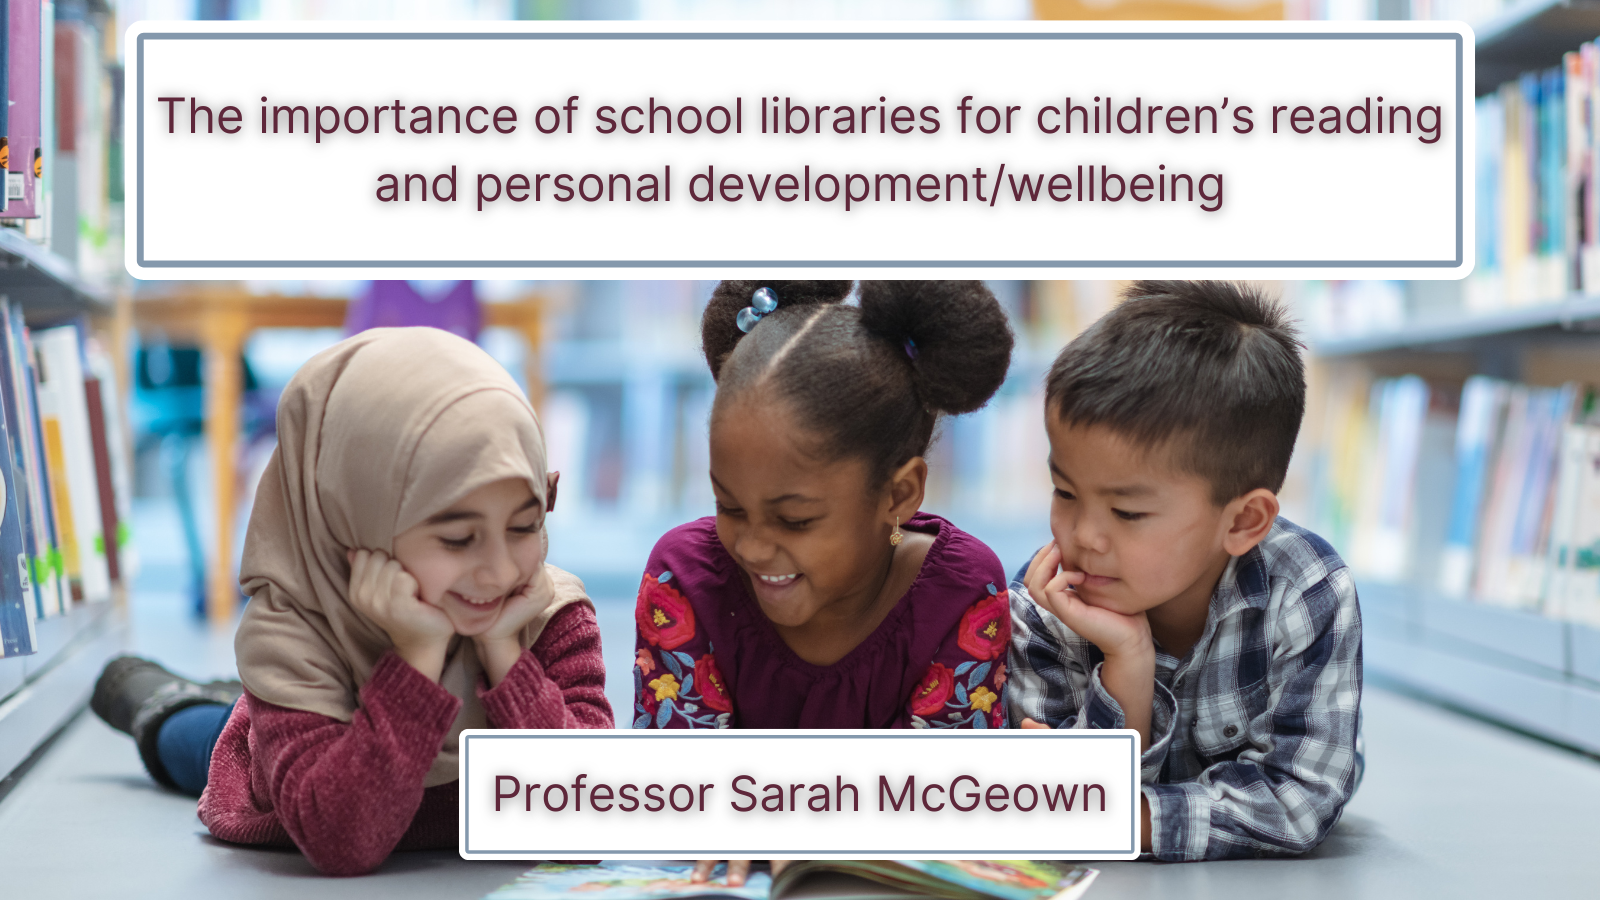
{"x": 762, "y": 303}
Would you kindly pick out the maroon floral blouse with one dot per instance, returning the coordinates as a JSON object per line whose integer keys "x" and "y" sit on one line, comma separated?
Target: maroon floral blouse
{"x": 708, "y": 658}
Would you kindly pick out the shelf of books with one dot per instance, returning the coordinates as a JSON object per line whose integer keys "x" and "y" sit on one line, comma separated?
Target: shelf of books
{"x": 62, "y": 526}
{"x": 64, "y": 478}
{"x": 1470, "y": 512}
{"x": 1461, "y": 478}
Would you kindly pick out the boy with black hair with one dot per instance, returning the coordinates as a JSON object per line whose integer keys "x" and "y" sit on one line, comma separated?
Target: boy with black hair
{"x": 1173, "y": 600}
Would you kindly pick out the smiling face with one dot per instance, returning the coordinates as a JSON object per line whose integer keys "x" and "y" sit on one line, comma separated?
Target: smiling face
{"x": 1143, "y": 532}
{"x": 810, "y": 534}
{"x": 469, "y": 558}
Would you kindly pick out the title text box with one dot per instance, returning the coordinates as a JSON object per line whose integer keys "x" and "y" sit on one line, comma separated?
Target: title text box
{"x": 638, "y": 149}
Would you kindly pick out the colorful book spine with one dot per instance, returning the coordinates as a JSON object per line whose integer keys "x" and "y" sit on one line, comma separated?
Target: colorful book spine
{"x": 1382, "y": 536}
{"x": 1552, "y": 180}
{"x": 22, "y": 472}
{"x": 101, "y": 448}
{"x": 104, "y": 369}
{"x": 1576, "y": 165}
{"x": 1483, "y": 403}
{"x": 47, "y": 563}
{"x": 24, "y": 91}
{"x": 61, "y": 376}
{"x": 5, "y": 108}
{"x": 51, "y": 481}
{"x": 17, "y": 602}
{"x": 1550, "y": 410}
{"x": 55, "y": 456}
{"x": 1492, "y": 577}
{"x": 38, "y": 228}
{"x": 1563, "y": 519}
{"x": 1588, "y": 127}
{"x": 1485, "y": 288}
{"x": 1582, "y": 597}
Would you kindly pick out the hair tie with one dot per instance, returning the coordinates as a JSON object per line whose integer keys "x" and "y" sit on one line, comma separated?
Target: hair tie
{"x": 762, "y": 303}
{"x": 911, "y": 348}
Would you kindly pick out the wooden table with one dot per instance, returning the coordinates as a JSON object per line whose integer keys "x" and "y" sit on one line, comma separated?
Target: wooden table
{"x": 220, "y": 319}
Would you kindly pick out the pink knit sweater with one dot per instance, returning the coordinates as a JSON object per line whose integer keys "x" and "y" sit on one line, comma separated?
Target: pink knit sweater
{"x": 349, "y": 794}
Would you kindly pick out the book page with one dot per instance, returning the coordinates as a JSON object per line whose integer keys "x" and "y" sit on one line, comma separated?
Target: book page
{"x": 627, "y": 881}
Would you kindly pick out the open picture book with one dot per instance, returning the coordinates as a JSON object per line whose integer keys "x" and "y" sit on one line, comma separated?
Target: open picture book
{"x": 848, "y": 879}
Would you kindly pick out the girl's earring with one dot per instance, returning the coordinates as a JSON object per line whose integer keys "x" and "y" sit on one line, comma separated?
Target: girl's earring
{"x": 895, "y": 537}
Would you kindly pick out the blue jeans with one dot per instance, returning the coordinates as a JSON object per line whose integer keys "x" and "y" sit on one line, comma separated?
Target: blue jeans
{"x": 185, "y": 741}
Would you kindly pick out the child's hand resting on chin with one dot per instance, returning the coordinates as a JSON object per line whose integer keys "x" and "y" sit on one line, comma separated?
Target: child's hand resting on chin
{"x": 385, "y": 592}
{"x": 1051, "y": 587}
{"x": 1128, "y": 673}
{"x": 499, "y": 647}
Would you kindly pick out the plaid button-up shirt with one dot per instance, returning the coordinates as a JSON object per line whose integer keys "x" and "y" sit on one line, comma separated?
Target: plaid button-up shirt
{"x": 1254, "y": 734}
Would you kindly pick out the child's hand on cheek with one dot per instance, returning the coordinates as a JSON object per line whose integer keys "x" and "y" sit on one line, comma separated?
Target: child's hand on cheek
{"x": 1128, "y": 672}
{"x": 384, "y": 592}
{"x": 1052, "y": 588}
{"x": 499, "y": 646}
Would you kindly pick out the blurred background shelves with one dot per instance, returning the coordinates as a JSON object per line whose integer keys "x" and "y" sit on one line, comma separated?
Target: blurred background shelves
{"x": 1531, "y": 34}
{"x": 1577, "y": 315}
{"x": 1536, "y": 674}
{"x": 1446, "y": 441}
{"x": 44, "y": 283}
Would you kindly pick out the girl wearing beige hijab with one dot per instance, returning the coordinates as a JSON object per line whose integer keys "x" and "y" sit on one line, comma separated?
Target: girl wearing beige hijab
{"x": 398, "y": 594}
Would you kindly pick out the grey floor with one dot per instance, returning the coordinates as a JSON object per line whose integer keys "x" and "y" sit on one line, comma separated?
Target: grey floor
{"x": 1450, "y": 807}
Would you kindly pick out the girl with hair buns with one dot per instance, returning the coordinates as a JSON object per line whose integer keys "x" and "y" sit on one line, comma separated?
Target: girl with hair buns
{"x": 819, "y": 596}
{"x": 398, "y": 594}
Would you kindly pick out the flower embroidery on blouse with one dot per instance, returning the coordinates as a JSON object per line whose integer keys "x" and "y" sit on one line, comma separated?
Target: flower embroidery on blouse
{"x": 965, "y": 703}
{"x": 959, "y": 698}
{"x": 981, "y": 698}
{"x": 689, "y": 693}
{"x": 666, "y": 687}
{"x": 646, "y": 661}
{"x": 712, "y": 688}
{"x": 663, "y": 615}
{"x": 986, "y": 627}
{"x": 933, "y": 690}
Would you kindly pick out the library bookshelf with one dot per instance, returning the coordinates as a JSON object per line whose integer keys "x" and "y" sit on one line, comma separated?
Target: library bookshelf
{"x": 42, "y": 691}
{"x": 1499, "y": 650}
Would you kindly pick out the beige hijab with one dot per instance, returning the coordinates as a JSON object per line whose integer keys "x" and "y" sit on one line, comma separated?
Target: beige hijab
{"x": 375, "y": 434}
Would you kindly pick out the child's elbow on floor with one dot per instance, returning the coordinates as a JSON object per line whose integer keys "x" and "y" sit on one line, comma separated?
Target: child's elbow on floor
{"x": 344, "y": 863}
{"x": 1282, "y": 845}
